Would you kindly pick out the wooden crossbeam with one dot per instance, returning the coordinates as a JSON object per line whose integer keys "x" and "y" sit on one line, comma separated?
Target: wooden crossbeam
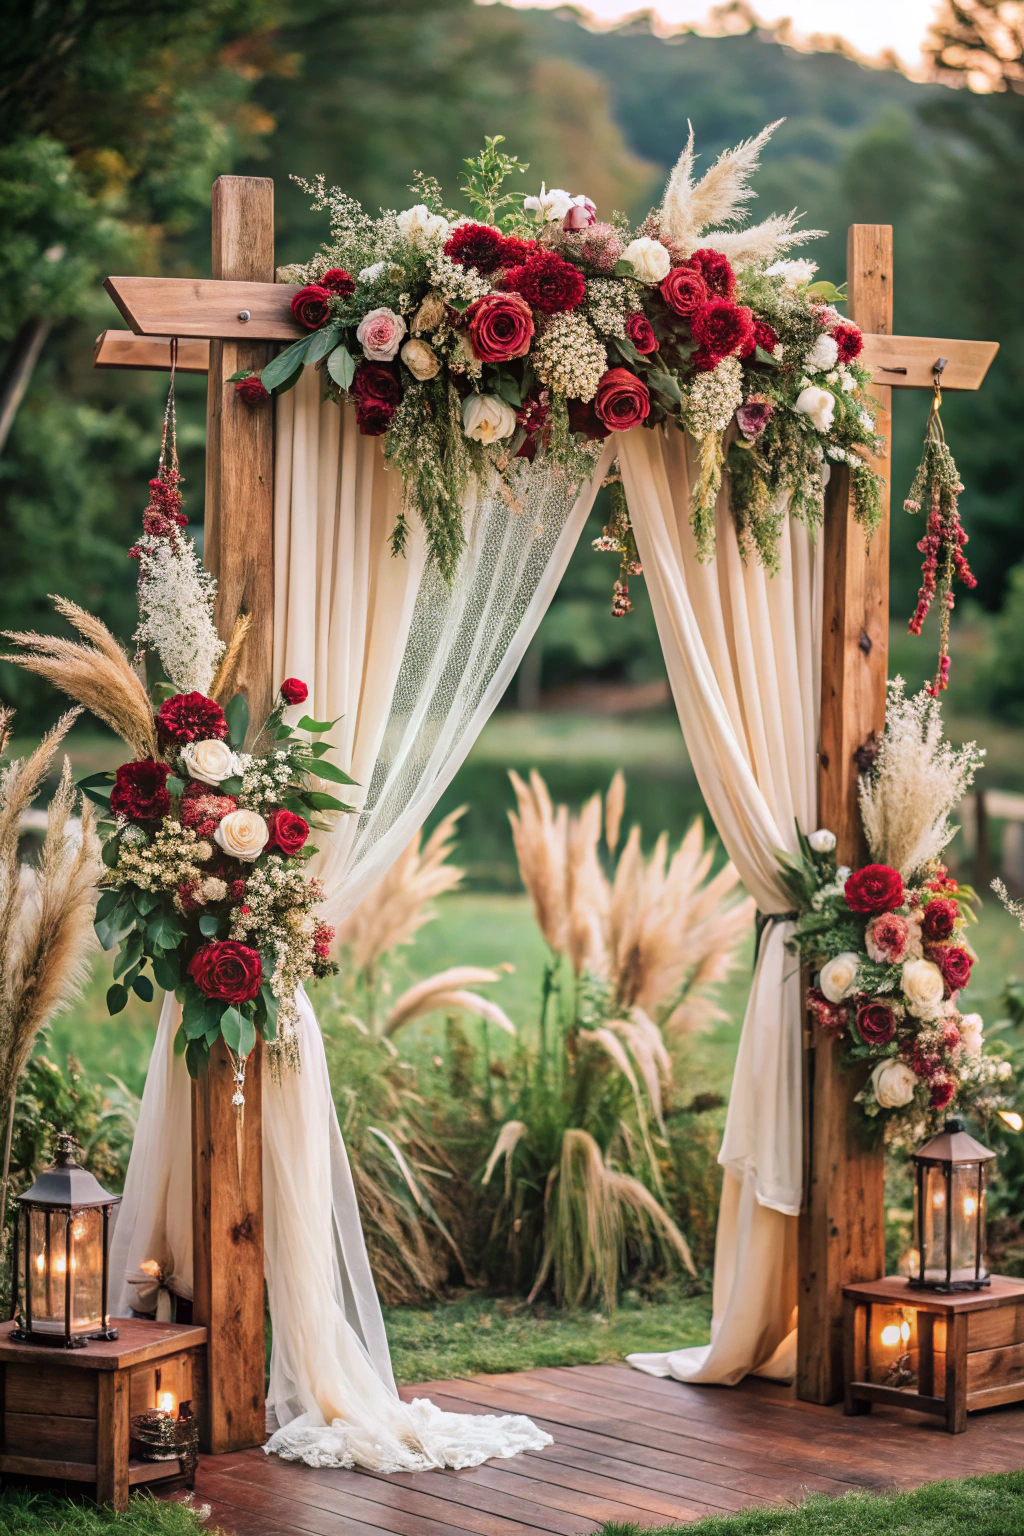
{"x": 220, "y": 309}
{"x": 123, "y": 349}
{"x": 906, "y": 362}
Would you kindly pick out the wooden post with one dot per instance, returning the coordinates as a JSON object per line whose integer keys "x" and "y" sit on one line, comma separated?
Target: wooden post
{"x": 842, "y": 1232}
{"x": 227, "y": 1173}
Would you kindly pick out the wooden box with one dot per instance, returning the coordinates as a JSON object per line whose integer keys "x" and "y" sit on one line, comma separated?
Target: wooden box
{"x": 65, "y": 1413}
{"x": 955, "y": 1352}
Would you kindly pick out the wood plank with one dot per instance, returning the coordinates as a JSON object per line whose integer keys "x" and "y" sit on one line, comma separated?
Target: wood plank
{"x": 870, "y": 1392}
{"x": 195, "y": 306}
{"x": 173, "y": 1375}
{"x": 138, "y": 1339}
{"x": 50, "y": 1436}
{"x": 842, "y": 1233}
{"x": 990, "y": 1368}
{"x": 50, "y": 1389}
{"x": 35, "y": 1466}
{"x": 967, "y": 362}
{"x": 498, "y": 1477}
{"x": 896, "y": 1290}
{"x": 995, "y": 1397}
{"x": 234, "y": 1520}
{"x": 112, "y": 1440}
{"x": 123, "y": 349}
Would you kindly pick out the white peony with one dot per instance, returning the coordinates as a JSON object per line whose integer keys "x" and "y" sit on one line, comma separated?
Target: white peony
{"x": 794, "y": 274}
{"x": 420, "y": 226}
{"x": 548, "y": 207}
{"x": 649, "y": 258}
{"x": 243, "y": 835}
{"x": 971, "y": 1027}
{"x": 893, "y": 1083}
{"x": 486, "y": 418}
{"x": 822, "y": 841}
{"x": 209, "y": 761}
{"x": 818, "y": 404}
{"x": 420, "y": 359}
{"x": 923, "y": 987}
{"x": 823, "y": 355}
{"x": 839, "y": 976}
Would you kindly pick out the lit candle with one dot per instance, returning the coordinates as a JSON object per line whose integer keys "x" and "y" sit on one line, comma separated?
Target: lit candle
{"x": 1013, "y": 1120}
{"x": 165, "y": 1402}
{"x": 891, "y": 1334}
{"x": 970, "y": 1205}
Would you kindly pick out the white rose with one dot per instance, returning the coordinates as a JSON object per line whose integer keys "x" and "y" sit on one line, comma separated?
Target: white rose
{"x": 209, "y": 761}
{"x": 923, "y": 987}
{"x": 893, "y": 1083}
{"x": 548, "y": 207}
{"x": 486, "y": 418}
{"x": 823, "y": 355}
{"x": 818, "y": 404}
{"x": 420, "y": 359}
{"x": 650, "y": 259}
{"x": 822, "y": 841}
{"x": 420, "y": 226}
{"x": 971, "y": 1027}
{"x": 839, "y": 976}
{"x": 243, "y": 835}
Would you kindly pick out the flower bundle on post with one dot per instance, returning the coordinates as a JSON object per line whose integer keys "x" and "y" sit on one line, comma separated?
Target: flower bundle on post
{"x": 534, "y": 330}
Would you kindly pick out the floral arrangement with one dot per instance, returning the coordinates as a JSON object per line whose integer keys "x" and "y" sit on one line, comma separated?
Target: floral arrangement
{"x": 534, "y": 329}
{"x": 888, "y": 942}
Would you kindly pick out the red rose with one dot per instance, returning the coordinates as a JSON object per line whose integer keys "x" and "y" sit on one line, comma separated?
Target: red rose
{"x": 875, "y": 888}
{"x": 374, "y": 418}
{"x": 584, "y": 419}
{"x": 190, "y": 717}
{"x": 475, "y": 245}
{"x": 940, "y": 918}
{"x": 287, "y": 831}
{"x": 311, "y": 306}
{"x": 876, "y": 1023}
{"x": 716, "y": 271}
{"x": 140, "y": 791}
{"x": 943, "y": 1088}
{"x": 203, "y": 809}
{"x": 338, "y": 281}
{"x": 641, "y": 333}
{"x": 765, "y": 337}
{"x": 622, "y": 400}
{"x": 848, "y": 339}
{"x": 548, "y": 283}
{"x": 831, "y": 1017}
{"x": 294, "y": 691}
{"x": 684, "y": 291}
{"x": 954, "y": 963}
{"x": 251, "y": 391}
{"x": 500, "y": 327}
{"x": 722, "y": 328}
{"x": 376, "y": 384}
{"x": 229, "y": 971}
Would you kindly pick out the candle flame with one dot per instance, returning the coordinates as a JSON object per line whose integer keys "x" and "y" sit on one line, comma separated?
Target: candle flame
{"x": 165, "y": 1402}
{"x": 970, "y": 1205}
{"x": 891, "y": 1334}
{"x": 1012, "y": 1119}
{"x": 40, "y": 1264}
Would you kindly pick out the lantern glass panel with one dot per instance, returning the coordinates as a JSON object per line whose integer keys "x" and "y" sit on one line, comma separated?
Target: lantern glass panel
{"x": 48, "y": 1261}
{"x": 968, "y": 1232}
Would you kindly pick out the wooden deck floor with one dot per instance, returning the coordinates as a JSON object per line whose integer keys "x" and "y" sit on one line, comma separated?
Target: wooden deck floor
{"x": 627, "y": 1447}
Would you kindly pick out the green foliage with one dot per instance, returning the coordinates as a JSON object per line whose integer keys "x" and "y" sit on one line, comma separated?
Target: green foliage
{"x": 44, "y": 1514}
{"x": 485, "y": 176}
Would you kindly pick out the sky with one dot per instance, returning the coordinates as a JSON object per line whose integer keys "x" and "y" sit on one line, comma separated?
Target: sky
{"x": 871, "y": 26}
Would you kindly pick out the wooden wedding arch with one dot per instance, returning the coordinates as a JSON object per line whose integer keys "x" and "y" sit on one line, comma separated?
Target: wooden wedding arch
{"x": 230, "y": 322}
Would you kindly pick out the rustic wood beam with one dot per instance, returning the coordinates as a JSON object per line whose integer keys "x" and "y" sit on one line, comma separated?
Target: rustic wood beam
{"x": 195, "y": 306}
{"x": 123, "y": 349}
{"x": 842, "y": 1233}
{"x": 906, "y": 362}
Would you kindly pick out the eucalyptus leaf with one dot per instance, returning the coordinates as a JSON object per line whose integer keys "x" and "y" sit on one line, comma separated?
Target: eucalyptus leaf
{"x": 165, "y": 972}
{"x": 231, "y": 1028}
{"x": 209, "y": 925}
{"x": 117, "y": 998}
{"x": 143, "y": 987}
{"x": 341, "y": 366}
{"x": 322, "y": 341}
{"x": 106, "y": 904}
{"x": 285, "y": 364}
{"x": 196, "y": 1054}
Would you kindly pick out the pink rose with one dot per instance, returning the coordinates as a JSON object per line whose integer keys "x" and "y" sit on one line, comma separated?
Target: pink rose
{"x": 622, "y": 400}
{"x": 886, "y": 939}
{"x": 380, "y": 334}
{"x": 500, "y": 327}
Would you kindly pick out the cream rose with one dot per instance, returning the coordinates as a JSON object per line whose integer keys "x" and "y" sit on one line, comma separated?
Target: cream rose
{"x": 486, "y": 418}
{"x": 548, "y": 207}
{"x": 839, "y": 976}
{"x": 650, "y": 260}
{"x": 243, "y": 835}
{"x": 817, "y": 404}
{"x": 420, "y": 359}
{"x": 923, "y": 988}
{"x": 823, "y": 355}
{"x": 971, "y": 1027}
{"x": 822, "y": 841}
{"x": 420, "y": 226}
{"x": 893, "y": 1083}
{"x": 380, "y": 333}
{"x": 209, "y": 761}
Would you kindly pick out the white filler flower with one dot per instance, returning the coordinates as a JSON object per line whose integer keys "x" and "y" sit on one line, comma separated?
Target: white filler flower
{"x": 486, "y": 418}
{"x": 649, "y": 258}
{"x": 893, "y": 1083}
{"x": 817, "y": 404}
{"x": 243, "y": 835}
{"x": 823, "y": 355}
{"x": 838, "y": 976}
{"x": 923, "y": 988}
{"x": 209, "y": 761}
{"x": 822, "y": 841}
{"x": 421, "y": 227}
{"x": 971, "y": 1027}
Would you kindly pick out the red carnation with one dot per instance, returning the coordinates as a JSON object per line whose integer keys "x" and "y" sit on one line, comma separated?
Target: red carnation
{"x": 374, "y": 418}
{"x": 622, "y": 400}
{"x": 514, "y": 251}
{"x": 294, "y": 691}
{"x": 684, "y": 291}
{"x": 721, "y": 328}
{"x": 831, "y": 1017}
{"x": 190, "y": 717}
{"x": 641, "y": 333}
{"x": 475, "y": 245}
{"x": 533, "y": 416}
{"x": 943, "y": 1088}
{"x": 251, "y": 391}
{"x": 939, "y": 920}
{"x": 311, "y": 306}
{"x": 228, "y": 971}
{"x": 954, "y": 963}
{"x": 339, "y": 281}
{"x": 548, "y": 283}
{"x": 287, "y": 831}
{"x": 203, "y": 809}
{"x": 875, "y": 888}
{"x": 500, "y": 327}
{"x": 716, "y": 271}
{"x": 140, "y": 791}
{"x": 848, "y": 339}
{"x": 376, "y": 384}
{"x": 765, "y": 337}
{"x": 584, "y": 419}
{"x": 876, "y": 1023}
{"x": 236, "y": 890}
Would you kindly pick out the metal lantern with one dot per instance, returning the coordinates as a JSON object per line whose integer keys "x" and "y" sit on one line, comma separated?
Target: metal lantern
{"x": 61, "y": 1256}
{"x": 949, "y": 1212}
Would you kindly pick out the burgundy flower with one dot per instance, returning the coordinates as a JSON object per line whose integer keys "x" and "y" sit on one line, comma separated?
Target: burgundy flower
{"x": 954, "y": 963}
{"x": 848, "y": 339}
{"x": 875, "y": 888}
{"x": 641, "y": 333}
{"x": 140, "y": 791}
{"x": 684, "y": 291}
{"x": 339, "y": 281}
{"x": 939, "y": 920}
{"x": 514, "y": 250}
{"x": 765, "y": 337}
{"x": 203, "y": 809}
{"x": 622, "y": 400}
{"x": 722, "y": 327}
{"x": 548, "y": 283}
{"x": 251, "y": 391}
{"x": 476, "y": 245}
{"x": 500, "y": 327}
{"x": 943, "y": 1088}
{"x": 376, "y": 384}
{"x": 753, "y": 416}
{"x": 876, "y": 1023}
{"x": 886, "y": 938}
{"x": 831, "y": 1017}
{"x": 236, "y": 890}
{"x": 294, "y": 691}
{"x": 374, "y": 418}
{"x": 951, "y": 1037}
{"x": 311, "y": 306}
{"x": 599, "y": 247}
{"x": 716, "y": 271}
{"x": 229, "y": 971}
{"x": 190, "y": 717}
{"x": 533, "y": 416}
{"x": 288, "y": 831}
{"x": 583, "y": 418}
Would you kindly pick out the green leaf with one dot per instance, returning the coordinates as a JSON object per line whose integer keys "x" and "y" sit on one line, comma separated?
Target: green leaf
{"x": 110, "y": 852}
{"x": 761, "y": 356}
{"x": 166, "y": 972}
{"x": 106, "y": 904}
{"x": 143, "y": 987}
{"x": 209, "y": 925}
{"x": 131, "y": 951}
{"x": 232, "y": 786}
{"x": 624, "y": 269}
{"x": 332, "y": 772}
{"x": 111, "y": 930}
{"x": 461, "y": 305}
{"x": 342, "y": 367}
{"x": 237, "y": 716}
{"x": 231, "y": 1028}
{"x": 196, "y": 1055}
{"x": 145, "y": 901}
{"x": 240, "y": 373}
{"x": 323, "y": 340}
{"x": 247, "y": 1037}
{"x": 175, "y": 786}
{"x": 285, "y": 365}
{"x": 180, "y": 1043}
{"x": 664, "y": 383}
{"x": 96, "y": 781}
{"x": 117, "y": 998}
{"x": 626, "y": 349}
{"x": 193, "y": 1012}
{"x": 270, "y": 1007}
{"x": 316, "y": 727}
{"x": 320, "y": 801}
{"x": 164, "y": 932}
{"x": 161, "y": 692}
{"x": 827, "y": 291}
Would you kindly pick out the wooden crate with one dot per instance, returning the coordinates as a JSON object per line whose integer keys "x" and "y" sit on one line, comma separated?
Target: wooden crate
{"x": 64, "y": 1414}
{"x": 965, "y": 1350}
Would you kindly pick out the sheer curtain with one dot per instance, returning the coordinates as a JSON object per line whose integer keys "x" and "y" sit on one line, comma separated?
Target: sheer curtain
{"x": 413, "y": 666}
{"x": 743, "y": 652}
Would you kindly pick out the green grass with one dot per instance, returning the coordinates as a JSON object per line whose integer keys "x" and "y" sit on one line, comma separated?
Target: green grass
{"x": 478, "y": 1334}
{"x": 975, "y": 1506}
{"x": 41, "y": 1514}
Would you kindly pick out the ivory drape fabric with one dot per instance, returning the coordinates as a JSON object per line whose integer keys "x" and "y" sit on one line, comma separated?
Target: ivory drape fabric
{"x": 743, "y": 653}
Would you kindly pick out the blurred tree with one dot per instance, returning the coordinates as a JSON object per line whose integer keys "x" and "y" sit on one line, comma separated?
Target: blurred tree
{"x": 978, "y": 43}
